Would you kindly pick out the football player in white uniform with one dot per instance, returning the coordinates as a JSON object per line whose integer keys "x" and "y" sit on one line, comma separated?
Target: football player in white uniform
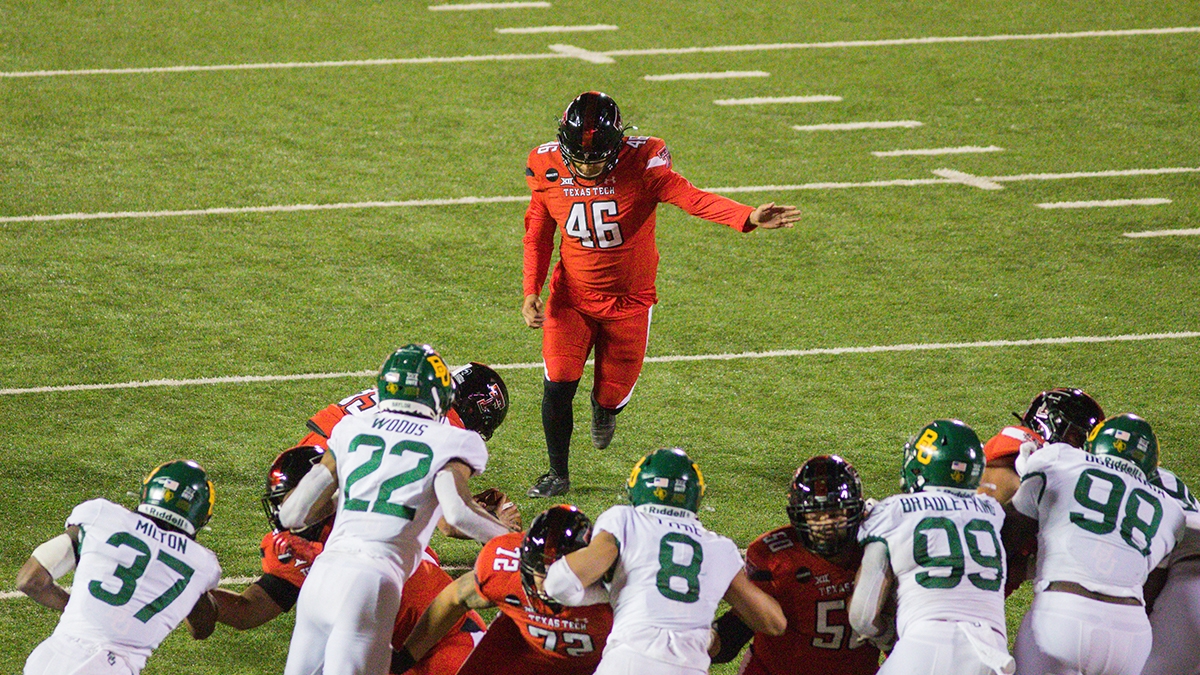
{"x": 1175, "y": 608}
{"x": 394, "y": 471}
{"x": 137, "y": 576}
{"x": 668, "y": 574}
{"x": 938, "y": 547}
{"x": 1102, "y": 527}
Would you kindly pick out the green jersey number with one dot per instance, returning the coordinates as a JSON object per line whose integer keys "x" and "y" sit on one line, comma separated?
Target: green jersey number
{"x": 381, "y": 504}
{"x": 1110, "y": 509}
{"x": 129, "y": 576}
{"x": 954, "y": 561}
{"x": 669, "y": 569}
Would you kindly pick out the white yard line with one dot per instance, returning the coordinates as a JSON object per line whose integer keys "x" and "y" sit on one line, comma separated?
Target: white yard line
{"x": 856, "y": 126}
{"x": 581, "y": 53}
{"x": 555, "y": 29}
{"x": 1163, "y": 233}
{"x": 614, "y": 53}
{"x": 1104, "y": 203}
{"x": 778, "y": 99}
{"x": 820, "y": 351}
{"x": 726, "y": 75}
{"x": 961, "y": 150}
{"x": 475, "y": 6}
{"x": 968, "y": 179}
{"x": 458, "y": 201}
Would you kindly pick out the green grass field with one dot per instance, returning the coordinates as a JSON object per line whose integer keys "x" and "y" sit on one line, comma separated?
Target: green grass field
{"x": 130, "y": 299}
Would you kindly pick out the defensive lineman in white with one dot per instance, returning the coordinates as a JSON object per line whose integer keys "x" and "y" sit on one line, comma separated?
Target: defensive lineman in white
{"x": 137, "y": 576}
{"x": 1102, "y": 527}
{"x": 668, "y": 574}
{"x": 1175, "y": 619}
{"x": 938, "y": 547}
{"x": 394, "y": 471}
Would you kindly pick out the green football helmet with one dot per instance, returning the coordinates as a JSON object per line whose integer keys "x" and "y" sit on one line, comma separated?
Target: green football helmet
{"x": 667, "y": 477}
{"x": 1126, "y": 436}
{"x": 944, "y": 455}
{"x": 179, "y": 494}
{"x": 415, "y": 380}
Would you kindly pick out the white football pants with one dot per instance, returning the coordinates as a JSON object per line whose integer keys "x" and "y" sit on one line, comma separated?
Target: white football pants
{"x": 61, "y": 655}
{"x": 1067, "y": 634}
{"x": 1175, "y": 623}
{"x": 624, "y": 660}
{"x": 949, "y": 648}
{"x": 344, "y": 617}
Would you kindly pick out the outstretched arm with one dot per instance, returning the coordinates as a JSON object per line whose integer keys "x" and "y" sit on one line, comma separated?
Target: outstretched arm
{"x": 758, "y": 610}
{"x": 770, "y": 217}
{"x": 249, "y": 609}
{"x": 202, "y": 620}
{"x": 461, "y": 510}
{"x": 439, "y": 617}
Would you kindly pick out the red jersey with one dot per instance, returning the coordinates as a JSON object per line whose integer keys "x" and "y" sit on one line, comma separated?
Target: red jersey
{"x": 568, "y": 642}
{"x": 815, "y": 595}
{"x": 322, "y": 424}
{"x": 1008, "y": 442}
{"x": 608, "y": 259}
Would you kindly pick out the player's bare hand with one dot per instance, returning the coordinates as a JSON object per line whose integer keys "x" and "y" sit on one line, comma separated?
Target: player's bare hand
{"x": 499, "y": 505}
{"x": 769, "y": 216}
{"x": 532, "y": 310}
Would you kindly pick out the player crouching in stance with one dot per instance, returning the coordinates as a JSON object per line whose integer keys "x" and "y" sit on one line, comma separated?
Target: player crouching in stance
{"x": 137, "y": 576}
{"x": 939, "y": 546}
{"x": 1101, "y": 527}
{"x": 809, "y": 567}
{"x": 394, "y": 471}
{"x": 668, "y": 574}
{"x": 533, "y": 635}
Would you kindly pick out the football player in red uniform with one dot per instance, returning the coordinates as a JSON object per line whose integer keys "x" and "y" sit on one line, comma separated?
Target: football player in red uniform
{"x": 600, "y": 188}
{"x": 809, "y": 567}
{"x": 533, "y": 635}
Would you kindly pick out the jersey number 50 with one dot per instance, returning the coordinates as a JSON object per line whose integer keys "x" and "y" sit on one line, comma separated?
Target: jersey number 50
{"x": 607, "y": 234}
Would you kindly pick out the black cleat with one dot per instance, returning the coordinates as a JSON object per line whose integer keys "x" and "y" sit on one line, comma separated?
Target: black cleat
{"x": 549, "y": 484}
{"x": 604, "y": 423}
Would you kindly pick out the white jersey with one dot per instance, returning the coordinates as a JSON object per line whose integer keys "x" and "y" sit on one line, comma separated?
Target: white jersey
{"x": 386, "y": 462}
{"x": 669, "y": 578}
{"x": 1101, "y": 524}
{"x": 134, "y": 583}
{"x": 946, "y": 554}
{"x": 1188, "y": 545}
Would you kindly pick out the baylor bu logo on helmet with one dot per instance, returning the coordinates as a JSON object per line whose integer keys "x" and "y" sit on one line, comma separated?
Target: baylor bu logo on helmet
{"x": 591, "y": 132}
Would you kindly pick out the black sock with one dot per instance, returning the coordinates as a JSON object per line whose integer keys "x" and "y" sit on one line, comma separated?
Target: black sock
{"x": 558, "y": 422}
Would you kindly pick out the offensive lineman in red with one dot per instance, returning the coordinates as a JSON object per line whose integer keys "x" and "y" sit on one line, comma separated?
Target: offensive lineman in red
{"x": 532, "y": 635}
{"x": 809, "y": 567}
{"x": 600, "y": 188}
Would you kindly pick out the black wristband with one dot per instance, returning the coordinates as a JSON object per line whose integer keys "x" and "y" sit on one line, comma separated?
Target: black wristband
{"x": 402, "y": 660}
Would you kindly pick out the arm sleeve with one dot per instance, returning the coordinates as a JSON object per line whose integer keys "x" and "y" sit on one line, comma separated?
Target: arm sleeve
{"x": 562, "y": 584}
{"x": 461, "y": 515}
{"x": 734, "y": 634}
{"x": 538, "y": 243}
{"x": 675, "y": 189}
{"x": 1033, "y": 485}
{"x": 867, "y": 602}
{"x": 613, "y": 522}
{"x": 281, "y": 591}
{"x": 293, "y": 513}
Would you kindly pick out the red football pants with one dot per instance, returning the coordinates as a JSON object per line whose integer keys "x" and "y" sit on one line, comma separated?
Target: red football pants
{"x": 568, "y": 337}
